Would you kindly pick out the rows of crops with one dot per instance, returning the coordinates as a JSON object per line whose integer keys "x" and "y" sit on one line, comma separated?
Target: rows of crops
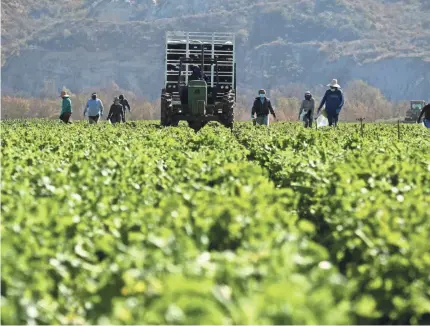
{"x": 139, "y": 224}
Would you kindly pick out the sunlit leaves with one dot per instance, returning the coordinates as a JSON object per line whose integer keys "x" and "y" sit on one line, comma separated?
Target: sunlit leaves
{"x": 139, "y": 224}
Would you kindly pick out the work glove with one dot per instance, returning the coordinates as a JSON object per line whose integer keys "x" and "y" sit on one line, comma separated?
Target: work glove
{"x": 338, "y": 110}
{"x": 252, "y": 117}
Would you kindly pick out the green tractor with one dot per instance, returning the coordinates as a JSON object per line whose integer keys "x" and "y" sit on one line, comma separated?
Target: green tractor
{"x": 212, "y": 96}
{"x": 413, "y": 113}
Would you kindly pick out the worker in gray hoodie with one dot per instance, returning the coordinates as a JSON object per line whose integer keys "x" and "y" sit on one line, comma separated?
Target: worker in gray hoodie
{"x": 307, "y": 108}
{"x": 94, "y": 109}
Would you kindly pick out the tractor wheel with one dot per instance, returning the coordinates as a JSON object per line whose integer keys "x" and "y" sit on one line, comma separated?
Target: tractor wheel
{"x": 228, "y": 110}
{"x": 166, "y": 109}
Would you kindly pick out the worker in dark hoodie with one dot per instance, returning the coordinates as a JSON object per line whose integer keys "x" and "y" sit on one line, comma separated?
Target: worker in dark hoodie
{"x": 125, "y": 105}
{"x": 116, "y": 111}
{"x": 333, "y": 101}
{"x": 197, "y": 74}
{"x": 426, "y": 113}
{"x": 261, "y": 108}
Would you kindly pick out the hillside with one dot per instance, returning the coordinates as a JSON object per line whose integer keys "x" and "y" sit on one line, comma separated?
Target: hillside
{"x": 91, "y": 44}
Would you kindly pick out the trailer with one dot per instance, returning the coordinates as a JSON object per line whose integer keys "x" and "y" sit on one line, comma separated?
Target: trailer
{"x": 209, "y": 94}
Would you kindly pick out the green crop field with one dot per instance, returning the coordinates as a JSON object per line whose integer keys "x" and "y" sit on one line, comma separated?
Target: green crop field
{"x": 137, "y": 224}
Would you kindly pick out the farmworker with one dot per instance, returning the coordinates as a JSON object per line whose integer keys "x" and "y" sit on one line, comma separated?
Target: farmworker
{"x": 426, "y": 113}
{"x": 197, "y": 75}
{"x": 262, "y": 107}
{"x": 334, "y": 101}
{"x": 123, "y": 101}
{"x": 116, "y": 111}
{"x": 66, "y": 107}
{"x": 94, "y": 108}
{"x": 307, "y": 109}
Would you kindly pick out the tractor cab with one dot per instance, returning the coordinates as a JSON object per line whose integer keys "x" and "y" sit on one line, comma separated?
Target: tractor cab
{"x": 417, "y": 106}
{"x": 415, "y": 109}
{"x": 197, "y": 86}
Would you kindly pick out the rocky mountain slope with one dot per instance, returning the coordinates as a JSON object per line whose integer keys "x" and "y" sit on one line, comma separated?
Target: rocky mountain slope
{"x": 89, "y": 44}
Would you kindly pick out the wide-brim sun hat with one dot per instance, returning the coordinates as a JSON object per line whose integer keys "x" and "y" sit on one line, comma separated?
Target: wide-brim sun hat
{"x": 334, "y": 83}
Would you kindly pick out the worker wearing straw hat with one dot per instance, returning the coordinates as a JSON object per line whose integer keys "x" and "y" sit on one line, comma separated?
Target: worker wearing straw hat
{"x": 333, "y": 101}
{"x": 66, "y": 107}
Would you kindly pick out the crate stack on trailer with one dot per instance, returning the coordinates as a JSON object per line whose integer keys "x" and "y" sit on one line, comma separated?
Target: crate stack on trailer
{"x": 219, "y": 46}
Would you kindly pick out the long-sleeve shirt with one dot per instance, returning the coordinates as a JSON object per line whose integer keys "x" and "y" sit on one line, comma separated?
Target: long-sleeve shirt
{"x": 94, "y": 107}
{"x": 425, "y": 112}
{"x": 116, "y": 110}
{"x": 125, "y": 104}
{"x": 262, "y": 108}
{"x": 66, "y": 105}
{"x": 333, "y": 101}
{"x": 308, "y": 106}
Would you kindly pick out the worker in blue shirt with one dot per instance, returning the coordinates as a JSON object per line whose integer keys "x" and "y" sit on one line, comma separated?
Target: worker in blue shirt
{"x": 333, "y": 101}
{"x": 94, "y": 109}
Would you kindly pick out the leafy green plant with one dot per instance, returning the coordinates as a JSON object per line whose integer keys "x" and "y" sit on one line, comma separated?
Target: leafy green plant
{"x": 134, "y": 224}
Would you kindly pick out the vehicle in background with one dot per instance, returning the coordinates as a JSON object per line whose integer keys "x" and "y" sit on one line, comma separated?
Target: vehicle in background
{"x": 209, "y": 97}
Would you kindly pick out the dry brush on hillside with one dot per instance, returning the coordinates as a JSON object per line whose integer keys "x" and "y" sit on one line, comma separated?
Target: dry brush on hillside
{"x": 362, "y": 101}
